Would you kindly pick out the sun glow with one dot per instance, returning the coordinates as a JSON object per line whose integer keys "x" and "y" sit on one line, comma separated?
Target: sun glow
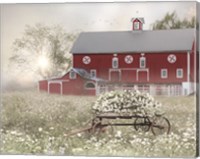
{"x": 43, "y": 62}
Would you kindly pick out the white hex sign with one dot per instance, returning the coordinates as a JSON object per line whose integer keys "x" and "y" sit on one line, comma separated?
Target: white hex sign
{"x": 171, "y": 58}
{"x": 128, "y": 59}
{"x": 86, "y": 60}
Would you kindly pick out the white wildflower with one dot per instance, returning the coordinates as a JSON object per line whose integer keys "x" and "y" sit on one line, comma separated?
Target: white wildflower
{"x": 21, "y": 139}
{"x": 79, "y": 135}
{"x": 40, "y": 129}
{"x": 118, "y": 134}
{"x": 51, "y": 138}
{"x": 77, "y": 150}
{"x": 51, "y": 128}
{"x": 13, "y": 132}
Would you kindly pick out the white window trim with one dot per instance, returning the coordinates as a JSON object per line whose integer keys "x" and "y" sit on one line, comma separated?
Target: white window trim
{"x": 177, "y": 75}
{"x": 56, "y": 82}
{"x": 141, "y": 59}
{"x": 141, "y": 70}
{"x": 95, "y": 73}
{"x": 162, "y": 70}
{"x": 70, "y": 75}
{"x": 90, "y": 88}
{"x": 115, "y": 70}
{"x": 115, "y": 59}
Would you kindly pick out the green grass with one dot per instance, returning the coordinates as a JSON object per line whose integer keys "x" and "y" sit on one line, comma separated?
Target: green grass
{"x": 37, "y": 123}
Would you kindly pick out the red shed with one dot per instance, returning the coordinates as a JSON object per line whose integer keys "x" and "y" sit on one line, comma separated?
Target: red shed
{"x": 160, "y": 62}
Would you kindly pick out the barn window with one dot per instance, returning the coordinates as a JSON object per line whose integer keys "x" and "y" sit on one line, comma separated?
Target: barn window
{"x": 164, "y": 73}
{"x": 142, "y": 62}
{"x": 115, "y": 63}
{"x": 136, "y": 25}
{"x": 93, "y": 73}
{"x": 179, "y": 73}
{"x": 72, "y": 75}
{"x": 90, "y": 85}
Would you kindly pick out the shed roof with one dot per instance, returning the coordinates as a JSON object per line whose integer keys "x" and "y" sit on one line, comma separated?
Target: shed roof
{"x": 83, "y": 73}
{"x": 134, "y": 41}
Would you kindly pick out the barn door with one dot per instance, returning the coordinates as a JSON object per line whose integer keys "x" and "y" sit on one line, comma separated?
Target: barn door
{"x": 142, "y": 76}
{"x": 115, "y": 75}
{"x": 55, "y": 88}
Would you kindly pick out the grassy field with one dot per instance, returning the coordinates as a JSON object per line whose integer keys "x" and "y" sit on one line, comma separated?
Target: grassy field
{"x": 37, "y": 123}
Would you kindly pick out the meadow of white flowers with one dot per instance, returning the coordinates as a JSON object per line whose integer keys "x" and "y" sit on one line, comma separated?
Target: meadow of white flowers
{"x": 37, "y": 123}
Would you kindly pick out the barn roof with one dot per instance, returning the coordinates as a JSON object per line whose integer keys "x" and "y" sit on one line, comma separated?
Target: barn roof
{"x": 134, "y": 41}
{"x": 83, "y": 73}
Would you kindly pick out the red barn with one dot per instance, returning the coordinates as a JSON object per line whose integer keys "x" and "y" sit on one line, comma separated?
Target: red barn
{"x": 160, "y": 62}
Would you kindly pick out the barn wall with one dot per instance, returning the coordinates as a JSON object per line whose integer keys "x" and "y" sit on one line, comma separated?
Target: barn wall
{"x": 65, "y": 77}
{"x": 76, "y": 87}
{"x": 154, "y": 61}
{"x": 55, "y": 88}
{"x": 71, "y": 87}
{"x": 102, "y": 63}
{"x": 159, "y": 61}
{"x": 99, "y": 62}
{"x": 129, "y": 76}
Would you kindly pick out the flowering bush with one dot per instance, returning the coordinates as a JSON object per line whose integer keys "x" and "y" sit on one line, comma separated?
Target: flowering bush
{"x": 127, "y": 102}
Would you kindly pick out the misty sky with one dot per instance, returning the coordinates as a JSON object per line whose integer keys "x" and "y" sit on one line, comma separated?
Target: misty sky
{"x": 82, "y": 17}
